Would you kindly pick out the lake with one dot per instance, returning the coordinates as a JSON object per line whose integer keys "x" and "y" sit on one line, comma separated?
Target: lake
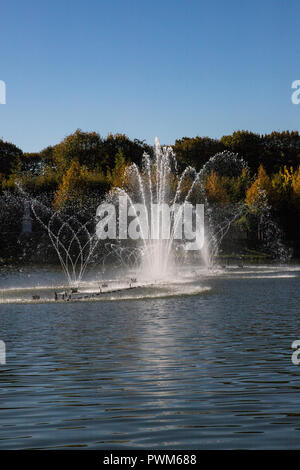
{"x": 204, "y": 363}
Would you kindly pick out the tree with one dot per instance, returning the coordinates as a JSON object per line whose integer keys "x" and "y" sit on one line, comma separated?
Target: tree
{"x": 32, "y": 163}
{"x": 247, "y": 144}
{"x": 116, "y": 175}
{"x": 225, "y": 164}
{"x": 196, "y": 151}
{"x": 78, "y": 186}
{"x": 296, "y": 188}
{"x": 215, "y": 189}
{"x": 260, "y": 191}
{"x": 10, "y": 158}
{"x": 237, "y": 187}
{"x": 84, "y": 147}
{"x": 47, "y": 157}
{"x": 281, "y": 149}
{"x": 282, "y": 188}
{"x": 90, "y": 150}
{"x": 132, "y": 150}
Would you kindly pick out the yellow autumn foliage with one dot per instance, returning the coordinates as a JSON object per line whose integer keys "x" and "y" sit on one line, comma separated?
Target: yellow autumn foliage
{"x": 261, "y": 186}
{"x": 77, "y": 184}
{"x": 215, "y": 189}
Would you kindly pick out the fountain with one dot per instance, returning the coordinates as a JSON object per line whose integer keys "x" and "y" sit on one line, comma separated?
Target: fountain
{"x": 158, "y": 185}
{"x": 159, "y": 190}
{"x": 73, "y": 238}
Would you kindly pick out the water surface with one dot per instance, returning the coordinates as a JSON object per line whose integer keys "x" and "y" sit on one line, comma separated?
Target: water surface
{"x": 204, "y": 363}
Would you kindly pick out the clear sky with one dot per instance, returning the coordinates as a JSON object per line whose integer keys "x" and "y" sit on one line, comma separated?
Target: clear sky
{"x": 170, "y": 68}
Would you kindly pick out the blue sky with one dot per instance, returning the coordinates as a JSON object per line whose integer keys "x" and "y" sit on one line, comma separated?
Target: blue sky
{"x": 169, "y": 68}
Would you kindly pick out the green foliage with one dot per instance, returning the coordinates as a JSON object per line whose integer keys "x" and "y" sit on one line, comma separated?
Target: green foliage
{"x": 281, "y": 149}
{"x": 32, "y": 163}
{"x": 85, "y": 165}
{"x": 10, "y": 158}
{"x": 39, "y": 184}
{"x": 273, "y": 151}
{"x": 84, "y": 147}
{"x": 196, "y": 151}
{"x": 116, "y": 175}
{"x": 132, "y": 150}
{"x": 79, "y": 185}
{"x": 225, "y": 164}
{"x": 237, "y": 187}
{"x": 246, "y": 144}
{"x": 90, "y": 150}
{"x": 243, "y": 223}
{"x": 33, "y": 184}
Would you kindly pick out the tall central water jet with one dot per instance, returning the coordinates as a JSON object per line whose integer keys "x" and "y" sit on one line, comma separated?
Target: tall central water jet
{"x": 163, "y": 196}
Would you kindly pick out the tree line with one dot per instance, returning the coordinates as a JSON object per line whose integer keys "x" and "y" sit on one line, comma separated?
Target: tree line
{"x": 84, "y": 163}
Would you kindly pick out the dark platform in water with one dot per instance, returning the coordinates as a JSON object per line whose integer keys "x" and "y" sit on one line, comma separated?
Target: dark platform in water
{"x": 75, "y": 294}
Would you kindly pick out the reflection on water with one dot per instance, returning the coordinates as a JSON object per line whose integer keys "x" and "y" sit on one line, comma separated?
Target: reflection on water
{"x": 168, "y": 370}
